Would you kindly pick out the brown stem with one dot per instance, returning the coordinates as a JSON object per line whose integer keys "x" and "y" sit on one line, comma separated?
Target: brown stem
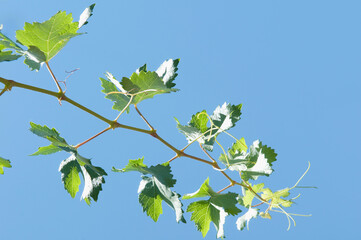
{"x": 230, "y": 185}
{"x": 141, "y": 115}
{"x": 207, "y": 153}
{"x": 96, "y": 135}
{"x": 114, "y": 124}
{"x": 259, "y": 204}
{"x": 53, "y": 76}
{"x": 170, "y": 160}
{"x": 196, "y": 158}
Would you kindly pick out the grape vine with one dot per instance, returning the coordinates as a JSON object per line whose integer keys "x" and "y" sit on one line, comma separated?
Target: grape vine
{"x": 38, "y": 43}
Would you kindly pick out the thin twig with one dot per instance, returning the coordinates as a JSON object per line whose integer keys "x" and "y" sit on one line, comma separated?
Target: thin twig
{"x": 141, "y": 115}
{"x": 53, "y": 76}
{"x": 170, "y": 160}
{"x": 230, "y": 185}
{"x": 200, "y": 145}
{"x": 96, "y": 135}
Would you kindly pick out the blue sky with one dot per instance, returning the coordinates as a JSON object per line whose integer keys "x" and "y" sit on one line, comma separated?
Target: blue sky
{"x": 295, "y": 66}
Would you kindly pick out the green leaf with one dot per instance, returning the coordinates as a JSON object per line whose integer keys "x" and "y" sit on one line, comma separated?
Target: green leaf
{"x": 50, "y": 36}
{"x": 47, "y": 150}
{"x": 71, "y": 167}
{"x": 86, "y": 14}
{"x": 142, "y": 84}
{"x": 244, "y": 219}
{"x": 7, "y": 44}
{"x": 112, "y": 92}
{"x": 7, "y": 55}
{"x": 33, "y": 56}
{"x": 223, "y": 118}
{"x": 4, "y": 163}
{"x": 215, "y": 209}
{"x": 257, "y": 162}
{"x": 248, "y": 197}
{"x": 145, "y": 85}
{"x": 93, "y": 177}
{"x": 153, "y": 190}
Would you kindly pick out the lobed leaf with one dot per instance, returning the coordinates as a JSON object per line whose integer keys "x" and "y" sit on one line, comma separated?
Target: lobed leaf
{"x": 4, "y": 163}
{"x": 93, "y": 177}
{"x": 248, "y": 197}
{"x": 257, "y": 162}
{"x": 215, "y": 209}
{"x": 155, "y": 189}
{"x": 223, "y": 118}
{"x": 277, "y": 197}
{"x": 50, "y": 36}
{"x": 15, "y": 51}
{"x": 71, "y": 167}
{"x": 142, "y": 84}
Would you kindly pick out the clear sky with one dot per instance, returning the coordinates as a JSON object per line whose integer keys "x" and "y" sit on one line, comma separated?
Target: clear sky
{"x": 295, "y": 66}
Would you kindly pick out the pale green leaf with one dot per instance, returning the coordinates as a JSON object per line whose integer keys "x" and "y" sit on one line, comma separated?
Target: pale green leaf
{"x": 277, "y": 197}
{"x": 50, "y": 36}
{"x": 248, "y": 197}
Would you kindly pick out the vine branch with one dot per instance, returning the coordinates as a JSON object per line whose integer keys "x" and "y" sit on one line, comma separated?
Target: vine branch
{"x": 114, "y": 124}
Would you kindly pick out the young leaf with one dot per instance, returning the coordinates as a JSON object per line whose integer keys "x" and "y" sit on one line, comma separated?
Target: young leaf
{"x": 257, "y": 162}
{"x": 4, "y": 163}
{"x": 86, "y": 14}
{"x": 223, "y": 118}
{"x": 50, "y": 36}
{"x": 276, "y": 197}
{"x": 155, "y": 189}
{"x": 215, "y": 209}
{"x": 244, "y": 219}
{"x": 248, "y": 197}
